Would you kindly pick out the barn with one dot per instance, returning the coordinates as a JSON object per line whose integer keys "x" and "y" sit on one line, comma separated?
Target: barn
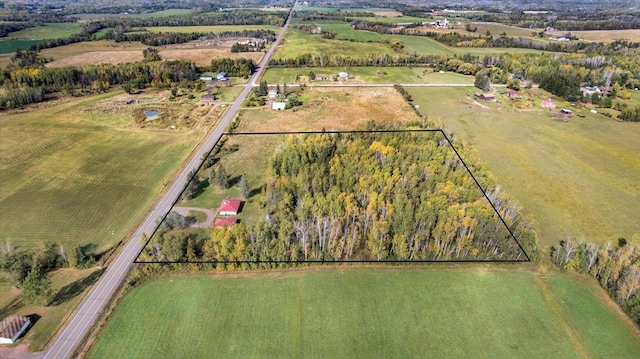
{"x": 12, "y": 327}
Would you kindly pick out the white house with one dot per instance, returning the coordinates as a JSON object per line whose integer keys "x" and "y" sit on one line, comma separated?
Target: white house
{"x": 12, "y": 327}
{"x": 206, "y": 78}
{"x": 278, "y": 105}
{"x": 343, "y": 76}
{"x": 273, "y": 94}
{"x": 222, "y": 76}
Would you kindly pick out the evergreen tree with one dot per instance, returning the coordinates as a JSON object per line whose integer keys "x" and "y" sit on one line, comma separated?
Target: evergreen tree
{"x": 244, "y": 187}
{"x": 222, "y": 179}
{"x": 36, "y": 288}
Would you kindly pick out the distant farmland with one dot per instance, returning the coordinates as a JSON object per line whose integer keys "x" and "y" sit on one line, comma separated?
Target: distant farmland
{"x": 367, "y": 312}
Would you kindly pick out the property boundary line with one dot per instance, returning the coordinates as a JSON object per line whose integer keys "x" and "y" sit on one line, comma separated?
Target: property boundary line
{"x": 230, "y": 134}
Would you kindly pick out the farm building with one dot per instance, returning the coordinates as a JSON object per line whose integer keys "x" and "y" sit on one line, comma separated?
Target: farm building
{"x": 272, "y": 94}
{"x": 278, "y": 106}
{"x": 208, "y": 98}
{"x": 12, "y": 327}
{"x": 225, "y": 222}
{"x": 229, "y": 207}
{"x": 343, "y": 75}
{"x": 485, "y": 96}
{"x": 548, "y": 104}
{"x": 565, "y": 111}
{"x": 222, "y": 76}
{"x": 206, "y": 78}
{"x": 320, "y": 77}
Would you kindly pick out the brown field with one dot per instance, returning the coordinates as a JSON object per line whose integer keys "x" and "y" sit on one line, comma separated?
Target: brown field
{"x": 331, "y": 109}
{"x": 103, "y": 52}
{"x": 603, "y": 35}
{"x": 387, "y": 13}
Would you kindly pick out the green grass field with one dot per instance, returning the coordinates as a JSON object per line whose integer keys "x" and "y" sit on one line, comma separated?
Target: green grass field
{"x": 210, "y": 29}
{"x": 81, "y": 178}
{"x": 577, "y": 178}
{"x": 48, "y": 31}
{"x": 297, "y": 42}
{"x": 443, "y": 312}
{"x": 403, "y": 75}
{"x": 10, "y": 46}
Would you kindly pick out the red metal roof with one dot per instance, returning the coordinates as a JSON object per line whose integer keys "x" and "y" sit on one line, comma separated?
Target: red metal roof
{"x": 225, "y": 222}
{"x": 230, "y": 205}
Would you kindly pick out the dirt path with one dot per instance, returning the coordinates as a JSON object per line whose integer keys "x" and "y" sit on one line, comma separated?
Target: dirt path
{"x": 208, "y": 223}
{"x": 18, "y": 352}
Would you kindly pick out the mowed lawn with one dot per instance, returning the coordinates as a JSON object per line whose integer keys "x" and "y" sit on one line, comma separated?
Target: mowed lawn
{"x": 81, "y": 178}
{"x": 577, "y": 178}
{"x": 367, "y": 313}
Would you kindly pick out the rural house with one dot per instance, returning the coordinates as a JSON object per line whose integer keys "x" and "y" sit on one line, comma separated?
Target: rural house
{"x": 208, "y": 98}
{"x": 12, "y": 327}
{"x": 229, "y": 207}
{"x": 206, "y": 78}
{"x": 225, "y": 222}
{"x": 222, "y": 76}
{"x": 278, "y": 106}
{"x": 272, "y": 94}
{"x": 343, "y": 76}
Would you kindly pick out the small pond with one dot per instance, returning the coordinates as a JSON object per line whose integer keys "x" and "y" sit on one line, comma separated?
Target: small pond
{"x": 151, "y": 113}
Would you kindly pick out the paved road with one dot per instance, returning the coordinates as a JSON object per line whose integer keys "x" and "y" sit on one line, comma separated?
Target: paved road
{"x": 83, "y": 318}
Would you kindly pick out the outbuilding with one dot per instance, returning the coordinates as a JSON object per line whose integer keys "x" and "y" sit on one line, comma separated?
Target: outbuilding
{"x": 225, "y": 222}
{"x": 278, "y": 106}
{"x": 12, "y": 327}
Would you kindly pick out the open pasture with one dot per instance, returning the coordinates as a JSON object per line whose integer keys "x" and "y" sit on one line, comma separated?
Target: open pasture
{"x": 78, "y": 175}
{"x": 577, "y": 178}
{"x": 372, "y": 312}
{"x": 47, "y": 31}
{"x": 381, "y": 75}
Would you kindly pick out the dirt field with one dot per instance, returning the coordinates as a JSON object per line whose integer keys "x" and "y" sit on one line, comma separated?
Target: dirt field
{"x": 603, "y": 35}
{"x": 106, "y": 52}
{"x": 332, "y": 109}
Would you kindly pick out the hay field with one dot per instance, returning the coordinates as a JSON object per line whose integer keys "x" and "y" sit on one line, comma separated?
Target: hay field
{"x": 109, "y": 52}
{"x": 82, "y": 173}
{"x": 210, "y": 29}
{"x": 603, "y": 35}
{"x": 577, "y": 178}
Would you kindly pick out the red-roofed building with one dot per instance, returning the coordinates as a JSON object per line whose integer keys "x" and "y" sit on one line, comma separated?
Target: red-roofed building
{"x": 229, "y": 207}
{"x": 225, "y": 222}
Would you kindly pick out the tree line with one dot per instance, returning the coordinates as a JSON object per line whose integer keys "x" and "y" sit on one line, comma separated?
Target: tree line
{"x": 233, "y": 67}
{"x": 22, "y": 86}
{"x": 617, "y": 269}
{"x": 161, "y": 39}
{"x": 367, "y": 196}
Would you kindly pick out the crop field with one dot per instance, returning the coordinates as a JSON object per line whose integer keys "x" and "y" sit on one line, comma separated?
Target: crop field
{"x": 210, "y": 29}
{"x": 577, "y": 178}
{"x": 169, "y": 12}
{"x": 372, "y": 312}
{"x": 10, "y": 46}
{"x": 400, "y": 75}
{"x": 604, "y": 35}
{"x": 78, "y": 175}
{"x": 334, "y": 9}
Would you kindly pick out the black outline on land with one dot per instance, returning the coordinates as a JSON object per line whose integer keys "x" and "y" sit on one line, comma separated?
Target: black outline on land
{"x": 484, "y": 193}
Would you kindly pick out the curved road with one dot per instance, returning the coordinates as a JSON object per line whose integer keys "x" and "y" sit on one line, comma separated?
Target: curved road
{"x": 85, "y": 315}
